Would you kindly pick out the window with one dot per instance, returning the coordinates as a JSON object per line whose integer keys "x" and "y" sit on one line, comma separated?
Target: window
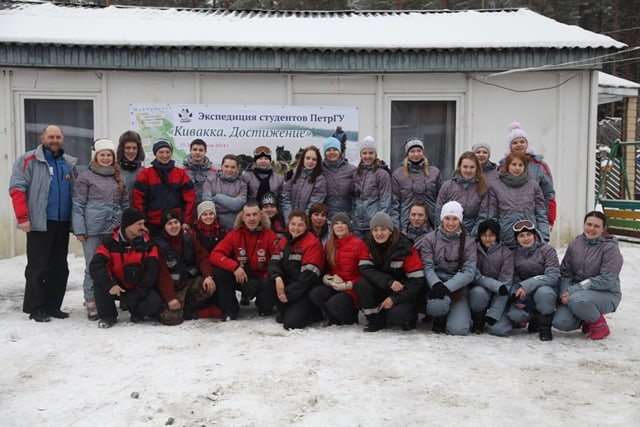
{"x": 434, "y": 122}
{"x": 75, "y": 118}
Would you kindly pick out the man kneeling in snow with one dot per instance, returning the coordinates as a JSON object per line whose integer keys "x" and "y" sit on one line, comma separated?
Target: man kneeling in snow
{"x": 126, "y": 268}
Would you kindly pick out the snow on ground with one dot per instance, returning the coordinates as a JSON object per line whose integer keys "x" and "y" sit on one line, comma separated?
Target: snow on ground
{"x": 252, "y": 372}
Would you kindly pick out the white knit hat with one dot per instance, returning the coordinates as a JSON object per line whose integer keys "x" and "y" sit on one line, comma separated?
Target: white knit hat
{"x": 207, "y": 205}
{"x": 102, "y": 144}
{"x": 368, "y": 143}
{"x": 451, "y": 208}
{"x": 516, "y": 131}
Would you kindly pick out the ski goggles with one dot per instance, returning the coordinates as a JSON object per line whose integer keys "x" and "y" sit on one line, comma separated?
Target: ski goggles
{"x": 262, "y": 151}
{"x": 524, "y": 225}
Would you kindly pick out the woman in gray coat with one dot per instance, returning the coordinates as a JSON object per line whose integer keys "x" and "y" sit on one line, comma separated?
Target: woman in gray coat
{"x": 338, "y": 174}
{"x": 515, "y": 197}
{"x": 99, "y": 198}
{"x": 469, "y": 188}
{"x": 371, "y": 188}
{"x": 307, "y": 186}
{"x": 414, "y": 181}
{"x": 589, "y": 280}
{"x": 449, "y": 258}
{"x": 535, "y": 280}
{"x": 227, "y": 190}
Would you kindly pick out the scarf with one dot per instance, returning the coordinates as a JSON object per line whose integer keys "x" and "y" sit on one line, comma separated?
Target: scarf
{"x": 208, "y": 230}
{"x": 128, "y": 165}
{"x": 163, "y": 169}
{"x": 263, "y": 175}
{"x": 102, "y": 170}
{"x": 515, "y": 181}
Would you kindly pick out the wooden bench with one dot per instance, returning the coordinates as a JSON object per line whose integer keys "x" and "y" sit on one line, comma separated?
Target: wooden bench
{"x": 623, "y": 217}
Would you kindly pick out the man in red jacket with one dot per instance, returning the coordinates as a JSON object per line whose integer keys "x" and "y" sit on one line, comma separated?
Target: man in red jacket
{"x": 126, "y": 268}
{"x": 164, "y": 186}
{"x": 240, "y": 261}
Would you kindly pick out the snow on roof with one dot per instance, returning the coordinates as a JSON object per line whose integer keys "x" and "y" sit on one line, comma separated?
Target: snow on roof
{"x": 131, "y": 26}
{"x": 608, "y": 80}
{"x": 614, "y": 89}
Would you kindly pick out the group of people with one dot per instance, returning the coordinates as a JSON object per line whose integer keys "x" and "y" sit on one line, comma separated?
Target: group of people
{"x": 330, "y": 241}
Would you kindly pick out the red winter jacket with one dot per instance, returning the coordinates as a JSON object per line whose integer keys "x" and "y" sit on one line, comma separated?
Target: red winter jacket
{"x": 151, "y": 196}
{"x": 348, "y": 251}
{"x": 251, "y": 248}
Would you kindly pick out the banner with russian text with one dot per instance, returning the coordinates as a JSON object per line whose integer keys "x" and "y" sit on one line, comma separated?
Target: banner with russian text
{"x": 239, "y": 129}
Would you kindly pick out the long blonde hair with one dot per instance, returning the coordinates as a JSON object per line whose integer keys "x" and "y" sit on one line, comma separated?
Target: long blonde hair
{"x": 405, "y": 166}
{"x": 116, "y": 170}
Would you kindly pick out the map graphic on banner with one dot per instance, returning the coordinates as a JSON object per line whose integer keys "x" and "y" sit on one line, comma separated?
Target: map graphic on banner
{"x": 239, "y": 129}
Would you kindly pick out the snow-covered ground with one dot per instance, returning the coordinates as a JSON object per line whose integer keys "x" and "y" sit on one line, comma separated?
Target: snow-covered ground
{"x": 251, "y": 372}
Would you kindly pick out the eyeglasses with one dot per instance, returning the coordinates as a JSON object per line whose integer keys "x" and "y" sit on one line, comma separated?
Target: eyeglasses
{"x": 523, "y": 225}
{"x": 262, "y": 151}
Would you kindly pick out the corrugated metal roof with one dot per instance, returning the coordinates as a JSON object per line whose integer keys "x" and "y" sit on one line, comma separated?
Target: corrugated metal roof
{"x": 48, "y": 35}
{"x": 133, "y": 26}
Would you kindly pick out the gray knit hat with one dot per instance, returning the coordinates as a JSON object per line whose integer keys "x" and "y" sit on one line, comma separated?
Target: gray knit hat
{"x": 381, "y": 219}
{"x": 341, "y": 216}
{"x": 481, "y": 145}
{"x": 413, "y": 142}
{"x": 207, "y": 205}
{"x": 368, "y": 143}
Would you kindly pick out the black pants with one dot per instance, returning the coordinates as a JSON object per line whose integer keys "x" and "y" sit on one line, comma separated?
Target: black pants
{"x": 226, "y": 287}
{"x": 47, "y": 271}
{"x": 295, "y": 314}
{"x": 371, "y": 297}
{"x": 338, "y": 307}
{"x": 150, "y": 305}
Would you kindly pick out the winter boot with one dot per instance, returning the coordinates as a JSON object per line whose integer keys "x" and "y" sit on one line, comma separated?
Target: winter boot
{"x": 92, "y": 310}
{"x": 533, "y": 326}
{"x": 376, "y": 322}
{"x": 478, "y": 319}
{"x": 544, "y": 325}
{"x": 439, "y": 325}
{"x": 599, "y": 329}
{"x": 585, "y": 326}
{"x": 409, "y": 326}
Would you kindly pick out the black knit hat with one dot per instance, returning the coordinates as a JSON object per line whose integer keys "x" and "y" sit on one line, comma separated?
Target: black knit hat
{"x": 161, "y": 144}
{"x": 167, "y": 216}
{"x": 490, "y": 224}
{"x": 130, "y": 216}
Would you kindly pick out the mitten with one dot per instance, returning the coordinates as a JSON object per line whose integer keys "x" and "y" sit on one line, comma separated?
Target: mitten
{"x": 339, "y": 285}
{"x": 439, "y": 291}
{"x": 503, "y": 290}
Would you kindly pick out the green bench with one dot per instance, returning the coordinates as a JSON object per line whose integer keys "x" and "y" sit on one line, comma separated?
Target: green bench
{"x": 623, "y": 217}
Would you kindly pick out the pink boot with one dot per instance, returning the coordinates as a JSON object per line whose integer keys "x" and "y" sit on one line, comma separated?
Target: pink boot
{"x": 599, "y": 329}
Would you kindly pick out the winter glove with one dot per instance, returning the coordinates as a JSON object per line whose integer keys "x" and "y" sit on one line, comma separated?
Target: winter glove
{"x": 503, "y": 290}
{"x": 439, "y": 291}
{"x": 339, "y": 285}
{"x": 439, "y": 307}
{"x": 328, "y": 279}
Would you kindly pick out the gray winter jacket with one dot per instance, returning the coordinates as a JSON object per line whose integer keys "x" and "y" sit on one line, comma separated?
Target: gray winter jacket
{"x": 494, "y": 267}
{"x": 509, "y": 205}
{"x": 129, "y": 178}
{"x": 339, "y": 182}
{"x": 229, "y": 195}
{"x": 534, "y": 267}
{"x": 440, "y": 256}
{"x": 475, "y": 207}
{"x": 198, "y": 174}
{"x": 250, "y": 177}
{"x": 303, "y": 193}
{"x": 30, "y": 180}
{"x": 415, "y": 188}
{"x": 592, "y": 264}
{"x": 371, "y": 194}
{"x": 97, "y": 204}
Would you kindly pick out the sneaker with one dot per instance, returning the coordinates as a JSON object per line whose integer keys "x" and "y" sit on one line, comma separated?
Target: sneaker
{"x": 599, "y": 329}
{"x": 92, "y": 310}
{"x": 106, "y": 323}
{"x": 39, "y": 316}
{"x": 58, "y": 314}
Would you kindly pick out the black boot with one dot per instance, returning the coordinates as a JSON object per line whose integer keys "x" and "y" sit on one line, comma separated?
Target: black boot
{"x": 544, "y": 323}
{"x": 478, "y": 322}
{"x": 439, "y": 325}
{"x": 376, "y": 322}
{"x": 533, "y": 326}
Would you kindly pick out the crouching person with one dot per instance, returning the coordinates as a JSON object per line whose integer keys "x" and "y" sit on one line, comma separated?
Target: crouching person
{"x": 295, "y": 269}
{"x": 589, "y": 280}
{"x": 535, "y": 280}
{"x": 449, "y": 258}
{"x": 392, "y": 283}
{"x": 126, "y": 268}
{"x": 489, "y": 293}
{"x": 185, "y": 280}
{"x": 240, "y": 262}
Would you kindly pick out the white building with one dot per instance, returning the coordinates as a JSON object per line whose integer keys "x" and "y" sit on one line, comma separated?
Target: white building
{"x": 452, "y": 77}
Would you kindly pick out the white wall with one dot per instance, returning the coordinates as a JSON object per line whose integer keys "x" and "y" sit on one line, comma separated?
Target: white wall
{"x": 553, "y": 107}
